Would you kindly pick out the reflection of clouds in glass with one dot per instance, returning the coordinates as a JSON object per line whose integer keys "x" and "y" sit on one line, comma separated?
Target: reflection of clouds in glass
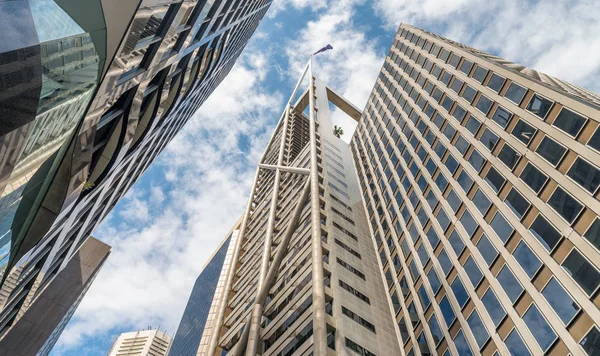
{"x": 15, "y": 26}
{"x": 51, "y": 21}
{"x": 538, "y": 326}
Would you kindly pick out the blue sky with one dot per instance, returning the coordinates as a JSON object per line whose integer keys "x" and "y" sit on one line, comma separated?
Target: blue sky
{"x": 167, "y": 226}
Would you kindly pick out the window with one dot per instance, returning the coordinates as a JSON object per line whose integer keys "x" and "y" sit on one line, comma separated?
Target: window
{"x": 495, "y": 179}
{"x": 459, "y": 113}
{"x": 509, "y": 283}
{"x": 459, "y": 292}
{"x": 357, "y": 318}
{"x": 473, "y": 125}
{"x": 447, "y": 103}
{"x": 565, "y": 205}
{"x": 357, "y": 348}
{"x": 533, "y": 177}
{"x": 591, "y": 342}
{"x": 523, "y": 132}
{"x": 546, "y": 234}
{"x": 465, "y": 181}
{"x": 539, "y": 106}
{"x": 551, "y": 151}
{"x": 354, "y": 292}
{"x": 583, "y": 272}
{"x": 447, "y": 311}
{"x": 569, "y": 122}
{"x": 515, "y": 93}
{"x": 461, "y": 344}
{"x": 479, "y": 331}
{"x": 489, "y": 139}
{"x": 443, "y": 219}
{"x": 585, "y": 175}
{"x": 479, "y": 74}
{"x": 473, "y": 272}
{"x": 515, "y": 344}
{"x": 424, "y": 298}
{"x": 468, "y": 223}
{"x": 456, "y": 242}
{"x": 501, "y": 116}
{"x": 451, "y": 164}
{"x": 454, "y": 59}
{"x": 517, "y": 203}
{"x": 509, "y": 156}
{"x": 350, "y": 268}
{"x": 484, "y": 104}
{"x": 501, "y": 227}
{"x": 476, "y": 160}
{"x": 539, "y": 327}
{"x": 453, "y": 200}
{"x": 481, "y": 202}
{"x": 445, "y": 78}
{"x": 487, "y": 250}
{"x": 434, "y": 281}
{"x": 493, "y": 307}
{"x": 594, "y": 141}
{"x": 593, "y": 233}
{"x": 527, "y": 259}
{"x": 560, "y": 301}
{"x": 461, "y": 144}
{"x": 436, "y": 332}
{"x": 496, "y": 82}
{"x": 457, "y": 85}
{"x": 466, "y": 66}
{"x": 444, "y": 261}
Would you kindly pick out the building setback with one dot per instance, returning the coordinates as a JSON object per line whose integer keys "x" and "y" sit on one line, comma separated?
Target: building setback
{"x": 480, "y": 179}
{"x": 89, "y": 96}
{"x": 142, "y": 343}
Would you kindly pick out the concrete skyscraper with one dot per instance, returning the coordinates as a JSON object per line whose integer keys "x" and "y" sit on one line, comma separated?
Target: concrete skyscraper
{"x": 142, "y": 343}
{"x": 90, "y": 93}
{"x": 462, "y": 219}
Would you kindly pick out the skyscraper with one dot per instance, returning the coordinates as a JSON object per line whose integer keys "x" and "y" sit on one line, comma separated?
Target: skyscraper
{"x": 91, "y": 93}
{"x": 205, "y": 299}
{"x": 142, "y": 343}
{"x": 480, "y": 178}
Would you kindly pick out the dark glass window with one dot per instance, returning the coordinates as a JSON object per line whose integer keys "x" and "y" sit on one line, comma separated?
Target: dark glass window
{"x": 461, "y": 144}
{"x": 523, "y": 132}
{"x": 484, "y": 104}
{"x": 451, "y": 164}
{"x": 594, "y": 141}
{"x": 495, "y": 179}
{"x": 437, "y": 94}
{"x": 479, "y": 331}
{"x": 509, "y": 156}
{"x": 487, "y": 250}
{"x": 466, "y": 66}
{"x": 473, "y": 271}
{"x": 593, "y": 233}
{"x": 454, "y": 59}
{"x": 533, "y": 177}
{"x": 551, "y": 150}
{"x": 469, "y": 94}
{"x": 447, "y": 103}
{"x": 591, "y": 342}
{"x": 545, "y": 233}
{"x": 457, "y": 85}
{"x": 496, "y": 82}
{"x": 515, "y": 344}
{"x": 489, "y": 139}
{"x": 459, "y": 113}
{"x": 473, "y": 125}
{"x": 585, "y": 174}
{"x": 583, "y": 272}
{"x": 462, "y": 345}
{"x": 501, "y": 227}
{"x": 480, "y": 73}
{"x": 515, "y": 93}
{"x": 468, "y": 223}
{"x": 493, "y": 307}
{"x": 444, "y": 54}
{"x": 424, "y": 298}
{"x": 447, "y": 311}
{"x": 465, "y": 181}
{"x": 456, "y": 242}
{"x": 434, "y": 281}
{"x": 565, "y": 205}
{"x": 539, "y": 327}
{"x": 459, "y": 292}
{"x": 527, "y": 259}
{"x": 436, "y": 332}
{"x": 560, "y": 301}
{"x": 449, "y": 131}
{"x": 481, "y": 202}
{"x": 510, "y": 284}
{"x": 453, "y": 200}
{"x": 569, "y": 122}
{"x": 517, "y": 203}
{"x": 444, "y": 261}
{"x": 476, "y": 160}
{"x": 539, "y": 106}
{"x": 445, "y": 78}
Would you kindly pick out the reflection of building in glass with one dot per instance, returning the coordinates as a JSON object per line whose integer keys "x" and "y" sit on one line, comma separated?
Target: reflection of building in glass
{"x": 89, "y": 96}
{"x": 204, "y": 301}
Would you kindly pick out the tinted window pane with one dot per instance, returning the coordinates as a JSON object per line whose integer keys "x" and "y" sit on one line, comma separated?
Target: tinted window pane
{"x": 501, "y": 116}
{"x": 539, "y": 327}
{"x": 461, "y": 345}
{"x": 489, "y": 139}
{"x": 517, "y": 203}
{"x": 545, "y": 233}
{"x": 479, "y": 331}
{"x": 443, "y": 219}
{"x": 484, "y": 104}
{"x": 591, "y": 342}
{"x": 451, "y": 164}
{"x": 565, "y": 205}
{"x": 473, "y": 271}
{"x": 457, "y": 85}
{"x": 493, "y": 307}
{"x": 466, "y": 66}
{"x": 509, "y": 283}
{"x": 479, "y": 74}
{"x": 468, "y": 222}
{"x": 593, "y": 234}
{"x": 515, "y": 344}
{"x": 481, "y": 202}
{"x": 560, "y": 301}
{"x": 476, "y": 160}
{"x": 582, "y": 271}
{"x": 459, "y": 292}
{"x": 523, "y": 132}
{"x": 436, "y": 332}
{"x": 509, "y": 156}
{"x": 434, "y": 281}
{"x": 585, "y": 174}
{"x": 459, "y": 113}
{"x": 533, "y": 177}
{"x": 447, "y": 311}
{"x": 495, "y": 179}
{"x": 569, "y": 122}
{"x": 501, "y": 227}
{"x": 487, "y": 250}
{"x": 527, "y": 259}
{"x": 496, "y": 82}
{"x": 424, "y": 298}
{"x": 469, "y": 94}
{"x": 453, "y": 200}
{"x": 456, "y": 242}
{"x": 473, "y": 125}
{"x": 461, "y": 145}
{"x": 444, "y": 261}
{"x": 515, "y": 93}
{"x": 539, "y": 106}
{"x": 551, "y": 151}
{"x": 454, "y": 59}
{"x": 595, "y": 140}
{"x": 465, "y": 181}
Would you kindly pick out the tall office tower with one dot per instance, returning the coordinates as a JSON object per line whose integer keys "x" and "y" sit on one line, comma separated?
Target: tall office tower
{"x": 39, "y": 327}
{"x": 91, "y": 93}
{"x": 142, "y": 343}
{"x": 480, "y": 179}
{"x": 205, "y": 299}
{"x": 306, "y": 280}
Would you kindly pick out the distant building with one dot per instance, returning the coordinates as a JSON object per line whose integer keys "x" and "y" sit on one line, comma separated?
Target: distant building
{"x": 142, "y": 343}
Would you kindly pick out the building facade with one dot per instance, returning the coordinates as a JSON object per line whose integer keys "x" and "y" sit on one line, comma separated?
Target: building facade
{"x": 205, "y": 299}
{"x": 480, "y": 180}
{"x": 142, "y": 343}
{"x": 91, "y": 93}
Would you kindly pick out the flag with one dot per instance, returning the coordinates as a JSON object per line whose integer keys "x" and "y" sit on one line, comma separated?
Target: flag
{"x": 323, "y": 49}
